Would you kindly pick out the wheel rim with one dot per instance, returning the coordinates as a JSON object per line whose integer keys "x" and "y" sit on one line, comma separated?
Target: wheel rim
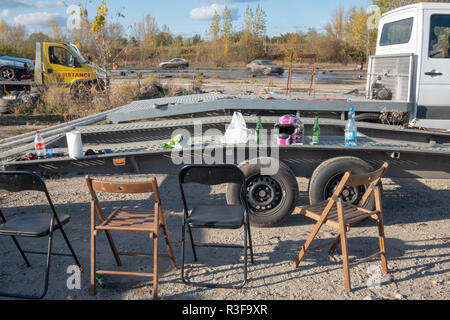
{"x": 7, "y": 74}
{"x": 265, "y": 195}
{"x": 349, "y": 194}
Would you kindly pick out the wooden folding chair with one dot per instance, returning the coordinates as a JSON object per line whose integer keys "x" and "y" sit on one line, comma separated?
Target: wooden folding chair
{"x": 127, "y": 220}
{"x": 341, "y": 216}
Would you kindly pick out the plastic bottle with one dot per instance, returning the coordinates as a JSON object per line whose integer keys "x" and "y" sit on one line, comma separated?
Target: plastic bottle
{"x": 316, "y": 132}
{"x": 259, "y": 129}
{"x": 351, "y": 130}
{"x": 39, "y": 145}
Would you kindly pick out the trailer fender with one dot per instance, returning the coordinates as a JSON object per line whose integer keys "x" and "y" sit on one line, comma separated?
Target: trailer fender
{"x": 271, "y": 199}
{"x": 327, "y": 176}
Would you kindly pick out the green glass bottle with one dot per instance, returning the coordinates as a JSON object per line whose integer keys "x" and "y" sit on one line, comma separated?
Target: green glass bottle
{"x": 316, "y": 132}
{"x": 259, "y": 129}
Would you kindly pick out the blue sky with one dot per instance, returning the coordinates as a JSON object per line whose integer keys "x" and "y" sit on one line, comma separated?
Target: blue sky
{"x": 185, "y": 17}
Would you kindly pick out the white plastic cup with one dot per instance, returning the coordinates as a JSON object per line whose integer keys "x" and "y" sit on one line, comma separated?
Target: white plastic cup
{"x": 74, "y": 144}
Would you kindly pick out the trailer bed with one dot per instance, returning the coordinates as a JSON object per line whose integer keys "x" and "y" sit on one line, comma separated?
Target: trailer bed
{"x": 136, "y": 147}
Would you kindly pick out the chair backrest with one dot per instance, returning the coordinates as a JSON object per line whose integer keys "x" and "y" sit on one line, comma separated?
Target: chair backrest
{"x": 212, "y": 175}
{"x": 123, "y": 187}
{"x": 17, "y": 181}
{"x": 369, "y": 179}
{"x": 150, "y": 186}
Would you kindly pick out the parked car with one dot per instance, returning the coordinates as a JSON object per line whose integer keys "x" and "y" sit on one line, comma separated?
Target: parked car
{"x": 13, "y": 68}
{"x": 176, "y": 63}
{"x": 265, "y": 67}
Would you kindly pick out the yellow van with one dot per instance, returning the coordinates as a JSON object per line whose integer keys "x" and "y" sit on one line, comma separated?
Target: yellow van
{"x": 61, "y": 63}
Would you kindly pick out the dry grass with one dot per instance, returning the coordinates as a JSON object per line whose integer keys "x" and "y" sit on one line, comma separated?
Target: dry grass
{"x": 58, "y": 101}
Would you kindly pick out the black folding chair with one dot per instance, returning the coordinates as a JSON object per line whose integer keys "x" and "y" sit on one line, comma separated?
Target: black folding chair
{"x": 32, "y": 224}
{"x": 217, "y": 216}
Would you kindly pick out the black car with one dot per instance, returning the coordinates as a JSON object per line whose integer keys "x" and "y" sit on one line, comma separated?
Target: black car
{"x": 176, "y": 63}
{"x": 265, "y": 67}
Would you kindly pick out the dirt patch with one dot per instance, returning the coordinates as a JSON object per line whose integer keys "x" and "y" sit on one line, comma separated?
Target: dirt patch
{"x": 416, "y": 216}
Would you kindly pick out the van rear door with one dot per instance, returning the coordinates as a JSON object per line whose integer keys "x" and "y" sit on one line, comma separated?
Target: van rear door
{"x": 434, "y": 78}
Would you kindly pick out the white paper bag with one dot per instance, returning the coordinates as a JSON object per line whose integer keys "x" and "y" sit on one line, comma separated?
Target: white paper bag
{"x": 74, "y": 144}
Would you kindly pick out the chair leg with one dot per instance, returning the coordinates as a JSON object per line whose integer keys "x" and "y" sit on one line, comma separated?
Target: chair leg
{"x": 21, "y": 251}
{"x": 93, "y": 263}
{"x": 113, "y": 248}
{"x": 250, "y": 242}
{"x": 381, "y": 238}
{"x": 345, "y": 261}
{"x": 69, "y": 246}
{"x": 183, "y": 240}
{"x": 2, "y": 217}
{"x": 46, "y": 277}
{"x": 169, "y": 247}
{"x": 335, "y": 245}
{"x": 245, "y": 256}
{"x": 192, "y": 243}
{"x": 307, "y": 244}
{"x": 155, "y": 266}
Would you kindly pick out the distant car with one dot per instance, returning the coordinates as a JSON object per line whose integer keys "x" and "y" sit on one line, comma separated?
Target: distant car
{"x": 176, "y": 63}
{"x": 13, "y": 68}
{"x": 265, "y": 67}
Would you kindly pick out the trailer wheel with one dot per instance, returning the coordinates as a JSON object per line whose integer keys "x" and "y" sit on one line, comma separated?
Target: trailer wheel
{"x": 271, "y": 199}
{"x": 327, "y": 176}
{"x": 368, "y": 117}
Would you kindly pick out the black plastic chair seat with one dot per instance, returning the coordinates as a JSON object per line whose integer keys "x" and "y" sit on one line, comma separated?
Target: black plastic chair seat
{"x": 221, "y": 217}
{"x": 31, "y": 225}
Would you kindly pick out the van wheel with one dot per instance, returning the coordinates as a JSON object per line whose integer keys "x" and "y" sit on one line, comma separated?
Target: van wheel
{"x": 271, "y": 199}
{"x": 327, "y": 176}
{"x": 81, "y": 91}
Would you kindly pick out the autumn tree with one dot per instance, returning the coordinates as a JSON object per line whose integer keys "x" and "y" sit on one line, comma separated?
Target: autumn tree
{"x": 251, "y": 43}
{"x": 359, "y": 40}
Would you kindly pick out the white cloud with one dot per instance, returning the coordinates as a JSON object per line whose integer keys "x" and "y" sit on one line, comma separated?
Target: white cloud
{"x": 39, "y": 19}
{"x": 230, "y": 1}
{"x": 13, "y": 4}
{"x": 207, "y": 13}
{"x": 5, "y": 13}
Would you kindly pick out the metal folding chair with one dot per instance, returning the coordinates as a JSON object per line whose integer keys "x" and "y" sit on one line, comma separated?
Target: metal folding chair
{"x": 32, "y": 225}
{"x": 215, "y": 217}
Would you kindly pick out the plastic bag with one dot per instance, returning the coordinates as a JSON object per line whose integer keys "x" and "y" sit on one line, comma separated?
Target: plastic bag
{"x": 237, "y": 131}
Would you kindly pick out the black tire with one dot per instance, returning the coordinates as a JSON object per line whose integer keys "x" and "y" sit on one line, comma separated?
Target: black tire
{"x": 5, "y": 106}
{"x": 81, "y": 91}
{"x": 271, "y": 199}
{"x": 7, "y": 73}
{"x": 368, "y": 117}
{"x": 326, "y": 177}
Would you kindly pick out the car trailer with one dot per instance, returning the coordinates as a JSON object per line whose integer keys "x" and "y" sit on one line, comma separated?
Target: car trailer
{"x": 136, "y": 147}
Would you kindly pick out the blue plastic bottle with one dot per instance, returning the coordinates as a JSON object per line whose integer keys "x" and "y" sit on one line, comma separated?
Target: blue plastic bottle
{"x": 351, "y": 130}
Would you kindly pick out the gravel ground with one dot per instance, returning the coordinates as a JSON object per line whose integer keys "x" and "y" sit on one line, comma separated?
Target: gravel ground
{"x": 418, "y": 249}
